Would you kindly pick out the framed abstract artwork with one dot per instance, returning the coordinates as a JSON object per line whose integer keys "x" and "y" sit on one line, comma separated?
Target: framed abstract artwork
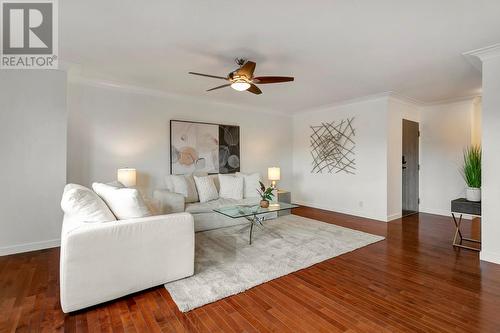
{"x": 333, "y": 147}
{"x": 203, "y": 147}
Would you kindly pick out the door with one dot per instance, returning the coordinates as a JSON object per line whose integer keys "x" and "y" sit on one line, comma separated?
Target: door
{"x": 410, "y": 167}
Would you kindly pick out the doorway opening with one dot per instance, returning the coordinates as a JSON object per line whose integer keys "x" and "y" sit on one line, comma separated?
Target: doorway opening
{"x": 411, "y": 167}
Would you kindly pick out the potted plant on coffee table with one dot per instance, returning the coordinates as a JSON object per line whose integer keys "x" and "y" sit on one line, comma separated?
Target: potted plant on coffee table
{"x": 266, "y": 195}
{"x": 471, "y": 171}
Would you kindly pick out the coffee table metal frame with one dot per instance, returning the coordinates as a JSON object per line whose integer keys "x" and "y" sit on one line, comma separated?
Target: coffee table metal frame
{"x": 254, "y": 214}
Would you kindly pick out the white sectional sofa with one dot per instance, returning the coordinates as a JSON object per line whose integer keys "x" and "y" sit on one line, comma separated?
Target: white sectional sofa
{"x": 103, "y": 258}
{"x": 203, "y": 213}
{"x": 112, "y": 245}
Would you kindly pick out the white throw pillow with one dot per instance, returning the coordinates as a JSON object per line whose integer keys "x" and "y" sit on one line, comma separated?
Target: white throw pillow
{"x": 215, "y": 178}
{"x": 231, "y": 187}
{"x": 250, "y": 184}
{"x": 185, "y": 185}
{"x": 116, "y": 183}
{"x": 85, "y": 205}
{"x": 206, "y": 188}
{"x": 125, "y": 203}
{"x": 169, "y": 183}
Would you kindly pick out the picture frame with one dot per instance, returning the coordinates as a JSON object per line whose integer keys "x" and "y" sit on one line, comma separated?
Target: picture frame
{"x": 204, "y": 147}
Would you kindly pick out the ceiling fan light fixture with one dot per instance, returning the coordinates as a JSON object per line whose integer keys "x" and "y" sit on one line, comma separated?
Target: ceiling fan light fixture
{"x": 243, "y": 79}
{"x": 240, "y": 85}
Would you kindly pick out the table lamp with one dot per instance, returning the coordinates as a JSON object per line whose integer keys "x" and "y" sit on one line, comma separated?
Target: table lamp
{"x": 127, "y": 176}
{"x": 273, "y": 174}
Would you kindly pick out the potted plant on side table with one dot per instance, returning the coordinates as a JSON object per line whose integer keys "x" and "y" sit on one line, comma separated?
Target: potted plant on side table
{"x": 471, "y": 172}
{"x": 266, "y": 195}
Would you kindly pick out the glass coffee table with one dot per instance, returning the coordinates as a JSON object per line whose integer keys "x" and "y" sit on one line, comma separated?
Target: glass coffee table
{"x": 253, "y": 213}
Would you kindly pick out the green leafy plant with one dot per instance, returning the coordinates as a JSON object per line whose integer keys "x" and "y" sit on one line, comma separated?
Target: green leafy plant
{"x": 471, "y": 170}
{"x": 265, "y": 193}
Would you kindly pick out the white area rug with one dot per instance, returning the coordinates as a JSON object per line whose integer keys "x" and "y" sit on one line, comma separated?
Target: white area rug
{"x": 225, "y": 264}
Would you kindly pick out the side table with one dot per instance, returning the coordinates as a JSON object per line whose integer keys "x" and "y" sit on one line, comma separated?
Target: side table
{"x": 284, "y": 196}
{"x": 462, "y": 206}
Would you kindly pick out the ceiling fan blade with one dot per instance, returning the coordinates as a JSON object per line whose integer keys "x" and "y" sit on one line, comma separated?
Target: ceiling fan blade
{"x": 254, "y": 89}
{"x": 247, "y": 69}
{"x": 223, "y": 86}
{"x": 208, "y": 75}
{"x": 272, "y": 79}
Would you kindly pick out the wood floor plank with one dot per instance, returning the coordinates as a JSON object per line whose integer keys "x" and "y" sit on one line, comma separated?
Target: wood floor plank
{"x": 256, "y": 322}
{"x": 413, "y": 281}
{"x": 225, "y": 311}
{"x": 260, "y": 311}
{"x": 197, "y": 323}
{"x": 214, "y": 311}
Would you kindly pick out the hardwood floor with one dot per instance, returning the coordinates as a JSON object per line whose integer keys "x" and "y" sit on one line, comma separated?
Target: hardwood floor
{"x": 414, "y": 281}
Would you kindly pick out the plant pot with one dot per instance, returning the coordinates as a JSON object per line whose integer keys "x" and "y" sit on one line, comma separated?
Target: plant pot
{"x": 264, "y": 203}
{"x": 473, "y": 194}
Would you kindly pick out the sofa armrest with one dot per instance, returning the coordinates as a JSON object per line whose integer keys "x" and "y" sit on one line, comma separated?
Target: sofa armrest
{"x": 169, "y": 202}
{"x": 104, "y": 261}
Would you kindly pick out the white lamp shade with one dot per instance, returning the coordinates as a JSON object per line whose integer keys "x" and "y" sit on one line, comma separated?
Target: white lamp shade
{"x": 273, "y": 173}
{"x": 128, "y": 177}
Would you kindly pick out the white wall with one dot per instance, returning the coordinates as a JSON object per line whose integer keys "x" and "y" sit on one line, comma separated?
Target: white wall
{"x": 397, "y": 111}
{"x": 476, "y": 121}
{"x": 490, "y": 229}
{"x": 362, "y": 194}
{"x": 446, "y": 130}
{"x": 33, "y": 166}
{"x": 112, "y": 127}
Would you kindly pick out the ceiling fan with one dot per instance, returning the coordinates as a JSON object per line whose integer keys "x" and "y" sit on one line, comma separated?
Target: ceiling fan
{"x": 242, "y": 78}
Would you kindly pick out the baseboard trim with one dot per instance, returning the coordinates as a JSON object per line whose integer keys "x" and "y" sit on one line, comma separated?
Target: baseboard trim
{"x": 490, "y": 257}
{"x": 342, "y": 211}
{"x": 394, "y": 217}
{"x": 27, "y": 247}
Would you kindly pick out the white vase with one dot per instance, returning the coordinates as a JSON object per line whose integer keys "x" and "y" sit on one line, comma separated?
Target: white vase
{"x": 473, "y": 194}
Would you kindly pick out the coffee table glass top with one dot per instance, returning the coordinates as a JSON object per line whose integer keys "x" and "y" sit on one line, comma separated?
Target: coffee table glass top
{"x": 251, "y": 210}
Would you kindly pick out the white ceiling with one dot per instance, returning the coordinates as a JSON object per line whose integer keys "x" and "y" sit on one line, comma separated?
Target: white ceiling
{"x": 337, "y": 50}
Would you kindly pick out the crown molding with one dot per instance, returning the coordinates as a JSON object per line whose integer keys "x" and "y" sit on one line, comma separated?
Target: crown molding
{"x": 478, "y": 56}
{"x": 344, "y": 103}
{"x": 372, "y": 97}
{"x": 405, "y": 99}
{"x": 390, "y": 95}
{"x": 454, "y": 100}
{"x": 74, "y": 77}
{"x": 417, "y": 102}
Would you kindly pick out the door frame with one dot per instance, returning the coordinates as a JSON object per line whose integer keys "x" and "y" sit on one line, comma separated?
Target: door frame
{"x": 403, "y": 182}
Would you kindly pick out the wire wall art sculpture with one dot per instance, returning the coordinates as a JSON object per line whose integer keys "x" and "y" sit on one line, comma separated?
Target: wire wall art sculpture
{"x": 332, "y": 147}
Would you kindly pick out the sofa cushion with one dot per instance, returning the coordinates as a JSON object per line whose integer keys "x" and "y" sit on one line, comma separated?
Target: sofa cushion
{"x": 125, "y": 203}
{"x": 231, "y": 187}
{"x": 206, "y": 188}
{"x": 250, "y": 184}
{"x": 208, "y": 207}
{"x": 82, "y": 204}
